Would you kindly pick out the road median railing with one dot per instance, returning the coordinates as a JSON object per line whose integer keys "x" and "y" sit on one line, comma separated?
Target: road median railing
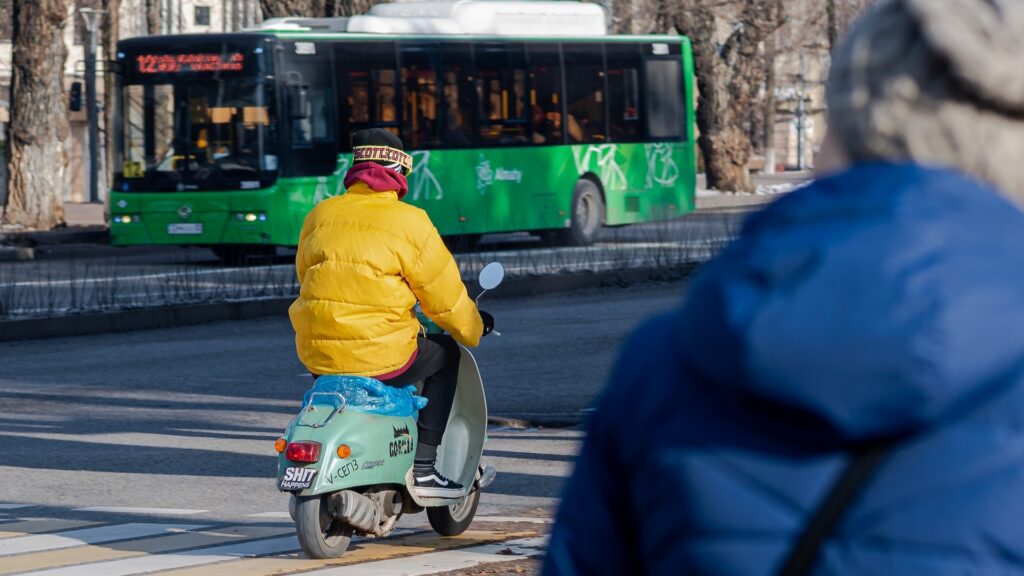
{"x": 46, "y": 299}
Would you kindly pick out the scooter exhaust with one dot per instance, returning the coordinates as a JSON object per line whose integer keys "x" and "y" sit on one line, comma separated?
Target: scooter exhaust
{"x": 355, "y": 510}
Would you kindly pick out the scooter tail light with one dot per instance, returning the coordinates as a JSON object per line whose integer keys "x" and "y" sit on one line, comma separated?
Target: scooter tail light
{"x": 306, "y": 452}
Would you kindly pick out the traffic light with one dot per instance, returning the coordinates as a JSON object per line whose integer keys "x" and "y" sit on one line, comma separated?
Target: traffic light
{"x": 75, "y": 98}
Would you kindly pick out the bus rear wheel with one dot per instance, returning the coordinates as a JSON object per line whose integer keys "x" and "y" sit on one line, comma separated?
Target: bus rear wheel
{"x": 587, "y": 216}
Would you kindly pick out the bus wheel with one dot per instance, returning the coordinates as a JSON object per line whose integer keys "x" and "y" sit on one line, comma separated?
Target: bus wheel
{"x": 587, "y": 215}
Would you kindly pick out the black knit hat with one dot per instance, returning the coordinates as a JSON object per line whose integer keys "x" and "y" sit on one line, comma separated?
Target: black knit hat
{"x": 382, "y": 147}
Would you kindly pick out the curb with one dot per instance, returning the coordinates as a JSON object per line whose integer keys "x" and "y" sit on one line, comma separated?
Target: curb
{"x": 69, "y": 235}
{"x": 16, "y": 253}
{"x": 138, "y": 319}
{"x": 203, "y": 313}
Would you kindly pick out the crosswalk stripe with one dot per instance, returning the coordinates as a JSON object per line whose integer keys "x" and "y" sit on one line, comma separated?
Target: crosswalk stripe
{"x": 510, "y": 519}
{"x": 24, "y": 526}
{"x": 154, "y": 511}
{"x": 441, "y": 561}
{"x": 283, "y": 515}
{"x": 198, "y": 557}
{"x": 14, "y": 506}
{"x": 363, "y": 550}
{"x": 72, "y": 538}
{"x": 133, "y": 548}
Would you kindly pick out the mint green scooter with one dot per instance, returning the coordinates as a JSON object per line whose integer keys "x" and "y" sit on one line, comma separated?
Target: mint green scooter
{"x": 347, "y": 456}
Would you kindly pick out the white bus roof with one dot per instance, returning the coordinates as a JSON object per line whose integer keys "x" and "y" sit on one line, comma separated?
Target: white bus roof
{"x": 464, "y": 17}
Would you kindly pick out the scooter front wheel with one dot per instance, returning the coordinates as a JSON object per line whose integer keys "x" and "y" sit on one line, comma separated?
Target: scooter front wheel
{"x": 320, "y": 534}
{"x": 453, "y": 520}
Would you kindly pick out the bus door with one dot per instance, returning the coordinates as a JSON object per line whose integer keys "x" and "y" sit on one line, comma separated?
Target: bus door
{"x": 665, "y": 122}
{"x": 308, "y": 103}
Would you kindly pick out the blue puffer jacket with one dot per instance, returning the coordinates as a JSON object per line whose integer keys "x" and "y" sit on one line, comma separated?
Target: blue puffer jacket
{"x": 885, "y": 300}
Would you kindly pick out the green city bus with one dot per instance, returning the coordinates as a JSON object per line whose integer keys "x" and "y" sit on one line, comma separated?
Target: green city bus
{"x": 228, "y": 140}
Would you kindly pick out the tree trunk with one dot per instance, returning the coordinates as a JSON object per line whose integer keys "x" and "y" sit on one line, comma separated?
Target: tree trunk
{"x": 39, "y": 123}
{"x": 153, "y": 19}
{"x": 833, "y": 25}
{"x": 5, "y": 36}
{"x": 728, "y": 78}
{"x": 351, "y": 7}
{"x": 771, "y": 53}
{"x": 111, "y": 28}
{"x": 285, "y": 8}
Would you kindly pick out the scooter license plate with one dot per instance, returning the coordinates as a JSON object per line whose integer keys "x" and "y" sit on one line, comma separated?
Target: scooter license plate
{"x": 297, "y": 478}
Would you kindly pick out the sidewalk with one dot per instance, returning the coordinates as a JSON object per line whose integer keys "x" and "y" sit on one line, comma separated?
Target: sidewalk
{"x": 85, "y": 223}
{"x": 77, "y": 215}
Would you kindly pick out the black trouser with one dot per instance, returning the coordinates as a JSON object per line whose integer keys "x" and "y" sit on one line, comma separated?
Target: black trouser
{"x": 437, "y": 365}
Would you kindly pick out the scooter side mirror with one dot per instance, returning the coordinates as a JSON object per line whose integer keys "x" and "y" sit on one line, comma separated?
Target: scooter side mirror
{"x": 491, "y": 276}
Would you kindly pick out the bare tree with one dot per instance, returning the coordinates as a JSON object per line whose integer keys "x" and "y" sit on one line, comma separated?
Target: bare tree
{"x": 771, "y": 52}
{"x": 5, "y": 19}
{"x": 729, "y": 78}
{"x": 283, "y": 8}
{"x": 840, "y": 13}
{"x": 111, "y": 28}
{"x": 833, "y": 25}
{"x": 154, "y": 24}
{"x": 349, "y": 7}
{"x": 39, "y": 123}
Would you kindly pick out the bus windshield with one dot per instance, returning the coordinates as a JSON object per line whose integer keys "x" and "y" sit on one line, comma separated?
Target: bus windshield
{"x": 197, "y": 117}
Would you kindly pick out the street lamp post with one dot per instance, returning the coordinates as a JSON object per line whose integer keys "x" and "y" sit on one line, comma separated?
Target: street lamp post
{"x": 92, "y": 17}
{"x": 801, "y": 115}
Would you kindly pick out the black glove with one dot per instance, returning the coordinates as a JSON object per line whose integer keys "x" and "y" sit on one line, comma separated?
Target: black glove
{"x": 488, "y": 321}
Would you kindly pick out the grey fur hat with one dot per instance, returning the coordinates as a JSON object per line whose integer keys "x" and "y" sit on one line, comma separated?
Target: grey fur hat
{"x": 938, "y": 82}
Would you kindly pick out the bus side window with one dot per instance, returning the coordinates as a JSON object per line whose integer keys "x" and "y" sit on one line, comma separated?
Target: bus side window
{"x": 585, "y": 98}
{"x": 457, "y": 108}
{"x": 664, "y": 99}
{"x": 368, "y": 88}
{"x": 545, "y": 98}
{"x": 623, "y": 63}
{"x": 501, "y": 93}
{"x": 420, "y": 127}
{"x": 309, "y": 110}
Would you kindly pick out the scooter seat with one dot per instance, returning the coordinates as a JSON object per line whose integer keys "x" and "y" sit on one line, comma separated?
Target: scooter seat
{"x": 362, "y": 394}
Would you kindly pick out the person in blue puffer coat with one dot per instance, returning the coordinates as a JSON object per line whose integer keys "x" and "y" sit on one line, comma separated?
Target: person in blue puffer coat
{"x": 882, "y": 303}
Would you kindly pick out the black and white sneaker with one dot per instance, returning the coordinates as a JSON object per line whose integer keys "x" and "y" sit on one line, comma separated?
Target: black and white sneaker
{"x": 431, "y": 484}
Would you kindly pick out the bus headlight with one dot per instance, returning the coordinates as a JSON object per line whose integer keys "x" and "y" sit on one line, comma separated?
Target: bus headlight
{"x": 251, "y": 216}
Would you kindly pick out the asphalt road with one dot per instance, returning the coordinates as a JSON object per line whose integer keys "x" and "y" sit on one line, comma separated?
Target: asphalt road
{"x": 185, "y": 418}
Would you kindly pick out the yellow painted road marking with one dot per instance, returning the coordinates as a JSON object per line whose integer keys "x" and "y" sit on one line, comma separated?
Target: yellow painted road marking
{"x": 39, "y": 525}
{"x": 441, "y": 561}
{"x": 361, "y": 551}
{"x": 116, "y": 550}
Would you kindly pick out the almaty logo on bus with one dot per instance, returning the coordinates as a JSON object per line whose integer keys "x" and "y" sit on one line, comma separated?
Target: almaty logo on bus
{"x": 486, "y": 175}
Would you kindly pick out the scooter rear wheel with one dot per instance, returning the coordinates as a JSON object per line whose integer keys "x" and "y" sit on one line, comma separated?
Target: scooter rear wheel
{"x": 320, "y": 535}
{"x": 453, "y": 520}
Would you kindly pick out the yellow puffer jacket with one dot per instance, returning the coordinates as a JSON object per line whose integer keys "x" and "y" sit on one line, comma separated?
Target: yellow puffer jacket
{"x": 364, "y": 260}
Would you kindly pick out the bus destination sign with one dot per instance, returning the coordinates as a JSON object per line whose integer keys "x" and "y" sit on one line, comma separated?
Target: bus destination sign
{"x": 184, "y": 63}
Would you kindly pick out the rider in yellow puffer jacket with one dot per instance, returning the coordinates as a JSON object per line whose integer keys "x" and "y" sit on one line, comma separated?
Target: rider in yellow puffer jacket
{"x": 364, "y": 259}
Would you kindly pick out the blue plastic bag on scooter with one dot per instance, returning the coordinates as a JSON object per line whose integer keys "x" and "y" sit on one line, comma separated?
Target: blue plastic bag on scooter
{"x": 365, "y": 395}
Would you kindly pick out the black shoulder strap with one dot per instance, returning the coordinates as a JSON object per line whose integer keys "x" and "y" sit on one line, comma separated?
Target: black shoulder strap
{"x": 803, "y": 556}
